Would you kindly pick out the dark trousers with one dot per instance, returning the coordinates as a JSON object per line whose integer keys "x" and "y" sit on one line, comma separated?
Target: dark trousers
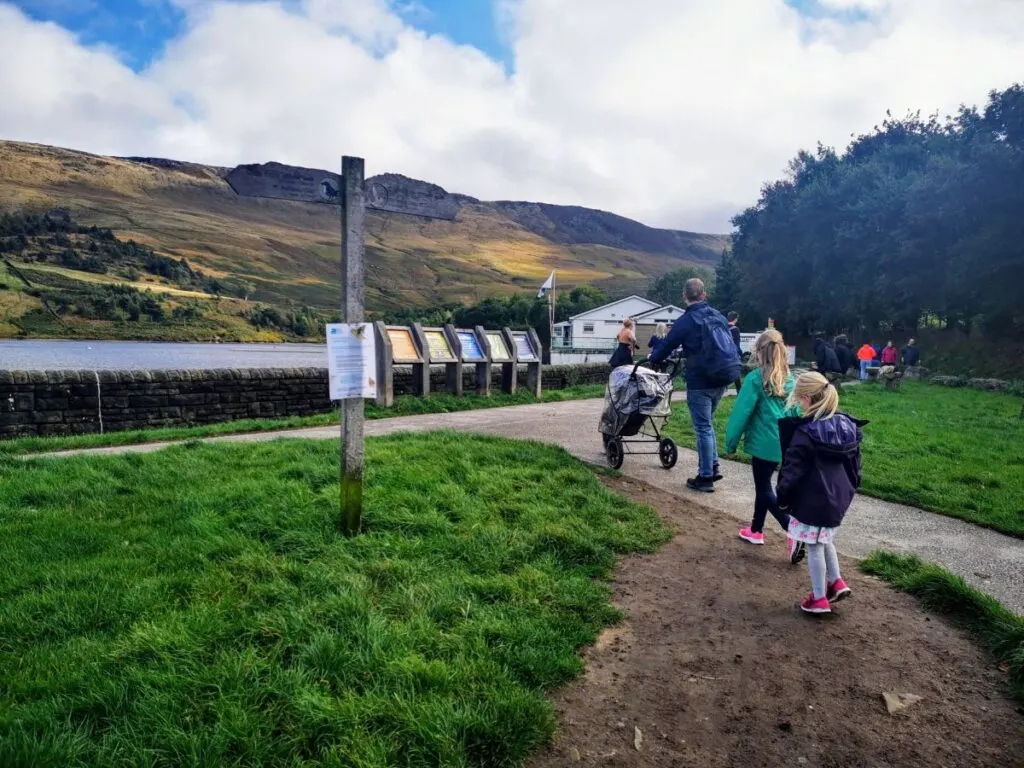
{"x": 764, "y": 496}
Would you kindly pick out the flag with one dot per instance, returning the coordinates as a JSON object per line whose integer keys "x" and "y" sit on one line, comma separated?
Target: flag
{"x": 548, "y": 285}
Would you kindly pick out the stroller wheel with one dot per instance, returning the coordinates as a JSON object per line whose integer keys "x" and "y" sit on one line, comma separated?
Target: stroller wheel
{"x": 668, "y": 453}
{"x": 613, "y": 452}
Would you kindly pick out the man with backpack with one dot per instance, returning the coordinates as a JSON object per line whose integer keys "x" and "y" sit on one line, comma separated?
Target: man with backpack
{"x": 712, "y": 363}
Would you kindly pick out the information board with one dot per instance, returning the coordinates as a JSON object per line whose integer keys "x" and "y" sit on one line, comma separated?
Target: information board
{"x": 403, "y": 350}
{"x": 499, "y": 350}
{"x": 470, "y": 346}
{"x": 351, "y": 362}
{"x": 524, "y": 348}
{"x": 438, "y": 346}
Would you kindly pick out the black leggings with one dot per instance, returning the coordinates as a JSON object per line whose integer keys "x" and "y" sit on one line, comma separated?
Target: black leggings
{"x": 764, "y": 498}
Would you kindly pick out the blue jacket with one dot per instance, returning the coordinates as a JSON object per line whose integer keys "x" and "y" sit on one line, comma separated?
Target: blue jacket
{"x": 686, "y": 333}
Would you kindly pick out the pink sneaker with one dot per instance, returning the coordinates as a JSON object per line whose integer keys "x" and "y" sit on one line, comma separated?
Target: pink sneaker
{"x": 815, "y": 605}
{"x": 748, "y": 535}
{"x": 797, "y": 549}
{"x": 837, "y": 591}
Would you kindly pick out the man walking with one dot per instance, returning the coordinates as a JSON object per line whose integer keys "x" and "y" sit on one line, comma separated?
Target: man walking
{"x": 911, "y": 354}
{"x": 712, "y": 363}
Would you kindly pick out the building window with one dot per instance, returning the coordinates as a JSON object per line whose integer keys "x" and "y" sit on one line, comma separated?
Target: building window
{"x": 588, "y": 327}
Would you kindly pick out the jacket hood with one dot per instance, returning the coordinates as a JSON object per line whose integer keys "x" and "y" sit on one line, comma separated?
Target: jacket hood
{"x": 835, "y": 437}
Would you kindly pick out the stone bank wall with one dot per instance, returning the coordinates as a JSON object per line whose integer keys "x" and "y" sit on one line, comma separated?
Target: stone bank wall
{"x": 76, "y": 402}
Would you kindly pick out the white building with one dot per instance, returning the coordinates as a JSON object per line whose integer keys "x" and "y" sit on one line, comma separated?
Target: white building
{"x": 597, "y": 328}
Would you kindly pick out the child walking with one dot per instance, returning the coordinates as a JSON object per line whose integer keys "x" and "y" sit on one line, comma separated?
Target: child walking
{"x": 820, "y": 475}
{"x": 761, "y": 402}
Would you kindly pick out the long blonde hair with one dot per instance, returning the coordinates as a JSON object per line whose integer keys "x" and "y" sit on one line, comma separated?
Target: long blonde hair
{"x": 771, "y": 355}
{"x": 661, "y": 330}
{"x": 823, "y": 396}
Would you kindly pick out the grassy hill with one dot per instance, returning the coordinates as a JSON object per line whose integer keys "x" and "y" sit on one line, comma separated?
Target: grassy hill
{"x": 236, "y": 263}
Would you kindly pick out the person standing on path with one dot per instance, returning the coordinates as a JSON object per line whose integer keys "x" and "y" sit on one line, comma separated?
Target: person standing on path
{"x": 734, "y": 329}
{"x": 660, "y": 332}
{"x": 623, "y": 354}
{"x": 712, "y": 363}
{"x": 865, "y": 355}
{"x": 820, "y": 476}
{"x": 755, "y": 418}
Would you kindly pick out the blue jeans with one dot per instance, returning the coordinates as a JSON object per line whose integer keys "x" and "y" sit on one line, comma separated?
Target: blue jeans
{"x": 702, "y": 404}
{"x": 864, "y": 364}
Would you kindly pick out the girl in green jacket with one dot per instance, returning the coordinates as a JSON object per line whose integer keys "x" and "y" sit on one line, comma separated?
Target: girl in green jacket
{"x": 755, "y": 416}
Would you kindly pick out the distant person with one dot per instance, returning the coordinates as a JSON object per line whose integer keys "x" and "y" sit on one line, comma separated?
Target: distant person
{"x": 825, "y": 358}
{"x": 755, "y": 418}
{"x": 734, "y": 329}
{"x": 819, "y": 477}
{"x": 660, "y": 332}
{"x": 865, "y": 355}
{"x": 844, "y": 352}
{"x": 877, "y": 359}
{"x": 890, "y": 355}
{"x": 626, "y": 337}
{"x": 712, "y": 363}
{"x": 911, "y": 354}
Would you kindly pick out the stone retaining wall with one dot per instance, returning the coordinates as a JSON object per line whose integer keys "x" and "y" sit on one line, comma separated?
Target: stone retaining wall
{"x": 74, "y": 402}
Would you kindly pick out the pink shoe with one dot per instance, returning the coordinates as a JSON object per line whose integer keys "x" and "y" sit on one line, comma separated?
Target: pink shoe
{"x": 815, "y": 605}
{"x": 748, "y": 535}
{"x": 796, "y": 549}
{"x": 837, "y": 591}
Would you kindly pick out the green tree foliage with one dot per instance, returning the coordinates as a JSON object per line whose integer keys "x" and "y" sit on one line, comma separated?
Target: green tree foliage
{"x": 920, "y": 218}
{"x": 668, "y": 289}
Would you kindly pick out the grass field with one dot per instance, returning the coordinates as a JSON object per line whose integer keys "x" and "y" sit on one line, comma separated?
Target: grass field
{"x": 405, "y": 405}
{"x": 199, "y": 608}
{"x": 959, "y": 452}
{"x": 997, "y": 629}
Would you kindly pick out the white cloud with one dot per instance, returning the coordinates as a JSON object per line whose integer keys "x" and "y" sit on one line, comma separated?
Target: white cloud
{"x": 671, "y": 111}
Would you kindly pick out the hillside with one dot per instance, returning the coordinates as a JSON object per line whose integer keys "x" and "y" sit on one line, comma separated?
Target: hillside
{"x": 199, "y": 244}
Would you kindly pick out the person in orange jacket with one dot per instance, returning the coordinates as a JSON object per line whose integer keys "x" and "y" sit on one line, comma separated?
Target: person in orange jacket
{"x": 865, "y": 354}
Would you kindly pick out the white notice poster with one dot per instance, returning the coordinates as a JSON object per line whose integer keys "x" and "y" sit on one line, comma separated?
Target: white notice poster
{"x": 351, "y": 361}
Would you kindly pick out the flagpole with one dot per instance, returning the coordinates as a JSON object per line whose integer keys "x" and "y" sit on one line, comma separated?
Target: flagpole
{"x": 551, "y": 318}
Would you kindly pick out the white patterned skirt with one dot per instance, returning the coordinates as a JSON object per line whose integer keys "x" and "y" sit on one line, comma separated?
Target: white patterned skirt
{"x": 810, "y": 534}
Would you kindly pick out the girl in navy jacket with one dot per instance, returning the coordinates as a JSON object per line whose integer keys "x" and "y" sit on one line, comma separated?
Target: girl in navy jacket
{"x": 819, "y": 477}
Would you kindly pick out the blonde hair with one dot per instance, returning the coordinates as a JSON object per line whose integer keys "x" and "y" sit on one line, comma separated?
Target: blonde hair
{"x": 629, "y": 322}
{"x": 824, "y": 400}
{"x": 661, "y": 330}
{"x": 771, "y": 355}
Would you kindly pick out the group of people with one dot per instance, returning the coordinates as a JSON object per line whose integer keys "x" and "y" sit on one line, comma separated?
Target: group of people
{"x": 837, "y": 356}
{"x": 787, "y": 423}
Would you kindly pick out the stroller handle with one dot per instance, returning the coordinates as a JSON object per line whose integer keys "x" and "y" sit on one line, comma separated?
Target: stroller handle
{"x": 675, "y": 366}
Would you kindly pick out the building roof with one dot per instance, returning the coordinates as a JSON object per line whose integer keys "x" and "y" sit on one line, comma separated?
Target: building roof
{"x": 671, "y": 310}
{"x": 603, "y": 307}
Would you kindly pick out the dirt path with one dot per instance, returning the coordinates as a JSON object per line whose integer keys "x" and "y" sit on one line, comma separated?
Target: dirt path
{"x": 717, "y": 668}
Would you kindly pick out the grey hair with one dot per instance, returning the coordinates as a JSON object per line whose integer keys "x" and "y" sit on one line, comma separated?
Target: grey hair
{"x": 693, "y": 289}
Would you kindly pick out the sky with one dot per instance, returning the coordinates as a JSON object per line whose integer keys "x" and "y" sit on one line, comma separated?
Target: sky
{"x": 673, "y": 112}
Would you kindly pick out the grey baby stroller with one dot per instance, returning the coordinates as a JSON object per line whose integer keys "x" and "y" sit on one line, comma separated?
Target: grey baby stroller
{"x": 637, "y": 404}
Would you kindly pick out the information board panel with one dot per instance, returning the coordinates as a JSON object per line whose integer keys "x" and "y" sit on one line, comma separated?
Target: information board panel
{"x": 524, "y": 348}
{"x": 471, "y": 351}
{"x": 438, "y": 346}
{"x": 351, "y": 363}
{"x": 403, "y": 350}
{"x": 499, "y": 350}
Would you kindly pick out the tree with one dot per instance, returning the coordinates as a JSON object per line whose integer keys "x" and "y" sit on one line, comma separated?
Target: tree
{"x": 668, "y": 289}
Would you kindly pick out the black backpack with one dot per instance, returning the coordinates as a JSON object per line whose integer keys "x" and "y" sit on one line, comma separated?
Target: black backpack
{"x": 719, "y": 358}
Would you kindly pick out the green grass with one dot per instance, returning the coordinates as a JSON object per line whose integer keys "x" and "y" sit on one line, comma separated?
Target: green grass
{"x": 958, "y": 452}
{"x": 199, "y": 608}
{"x": 997, "y": 629}
{"x": 404, "y": 406}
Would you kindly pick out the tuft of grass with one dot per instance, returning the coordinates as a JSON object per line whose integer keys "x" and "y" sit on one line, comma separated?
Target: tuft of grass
{"x": 199, "y": 607}
{"x": 998, "y": 630}
{"x": 406, "y": 405}
{"x": 957, "y": 452}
